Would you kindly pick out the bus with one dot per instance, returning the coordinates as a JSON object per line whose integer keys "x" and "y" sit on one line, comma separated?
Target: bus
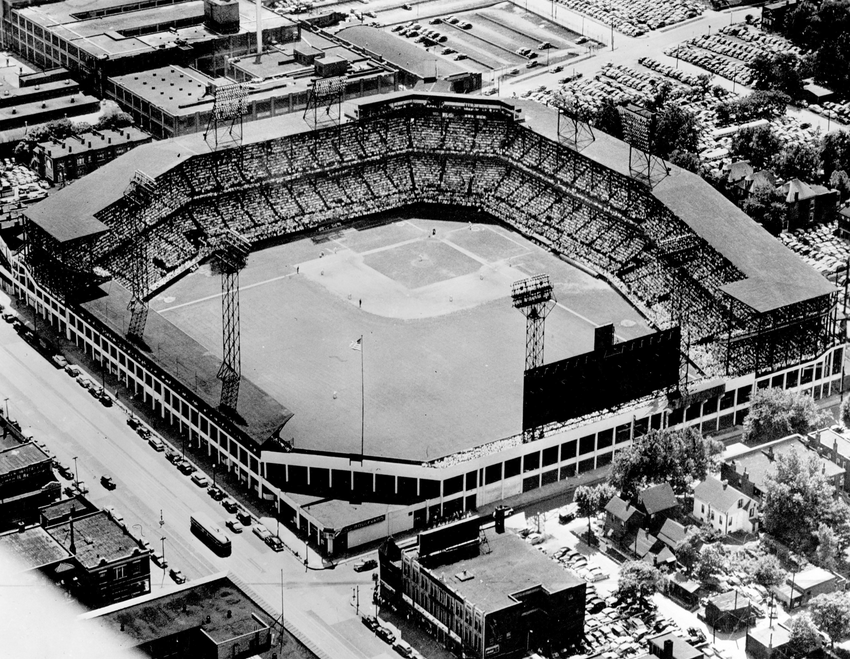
{"x": 212, "y": 535}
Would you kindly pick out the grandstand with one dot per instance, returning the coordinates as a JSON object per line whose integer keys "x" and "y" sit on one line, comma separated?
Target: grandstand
{"x": 749, "y": 311}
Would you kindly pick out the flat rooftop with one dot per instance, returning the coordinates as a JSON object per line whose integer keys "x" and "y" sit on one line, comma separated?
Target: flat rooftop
{"x": 20, "y": 457}
{"x": 159, "y": 616}
{"x": 510, "y": 566}
{"x": 94, "y": 140}
{"x": 60, "y": 511}
{"x": 97, "y": 537}
{"x": 337, "y": 514}
{"x": 34, "y": 547}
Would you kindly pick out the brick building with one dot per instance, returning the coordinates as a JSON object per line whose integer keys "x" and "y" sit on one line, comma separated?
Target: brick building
{"x": 26, "y": 483}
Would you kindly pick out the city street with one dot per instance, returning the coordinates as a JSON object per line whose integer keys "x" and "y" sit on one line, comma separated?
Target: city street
{"x": 317, "y": 603}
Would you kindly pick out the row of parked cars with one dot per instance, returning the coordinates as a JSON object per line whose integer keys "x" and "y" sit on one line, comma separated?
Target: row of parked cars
{"x": 570, "y": 558}
{"x": 387, "y": 636}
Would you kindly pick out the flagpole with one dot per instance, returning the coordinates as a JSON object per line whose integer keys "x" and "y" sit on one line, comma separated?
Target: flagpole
{"x": 362, "y": 401}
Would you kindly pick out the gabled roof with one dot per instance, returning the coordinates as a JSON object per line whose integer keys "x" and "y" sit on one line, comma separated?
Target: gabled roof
{"x": 622, "y": 510}
{"x": 739, "y": 171}
{"x": 796, "y": 190}
{"x": 657, "y": 498}
{"x": 720, "y": 495}
{"x": 672, "y": 533}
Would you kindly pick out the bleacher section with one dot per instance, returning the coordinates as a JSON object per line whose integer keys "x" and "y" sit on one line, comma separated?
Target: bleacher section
{"x": 300, "y": 182}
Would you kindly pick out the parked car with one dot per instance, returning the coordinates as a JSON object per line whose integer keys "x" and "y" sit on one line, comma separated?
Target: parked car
{"x": 177, "y": 576}
{"x": 403, "y": 649}
{"x": 82, "y": 487}
{"x": 230, "y": 505}
{"x": 159, "y": 559}
{"x": 65, "y": 472}
{"x": 262, "y": 532}
{"x": 244, "y": 516}
{"x": 107, "y": 482}
{"x": 186, "y": 467}
{"x": 200, "y": 480}
{"x": 73, "y": 370}
{"x": 385, "y": 635}
{"x": 84, "y": 382}
{"x": 234, "y": 525}
{"x": 156, "y": 445}
{"x": 59, "y": 361}
{"x": 371, "y": 622}
{"x": 215, "y": 494}
{"x": 173, "y": 457}
{"x": 71, "y": 491}
{"x": 275, "y": 543}
{"x": 104, "y": 398}
{"x": 365, "y": 566}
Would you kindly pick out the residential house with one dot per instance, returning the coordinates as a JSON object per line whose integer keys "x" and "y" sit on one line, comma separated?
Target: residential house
{"x": 684, "y": 590}
{"x": 621, "y": 519}
{"x": 808, "y": 204}
{"x": 724, "y": 508}
{"x": 657, "y": 501}
{"x": 835, "y": 447}
{"x": 746, "y": 468}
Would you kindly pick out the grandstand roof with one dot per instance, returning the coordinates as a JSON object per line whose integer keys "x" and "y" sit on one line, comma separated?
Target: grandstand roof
{"x": 263, "y": 415}
{"x": 401, "y": 53}
{"x": 776, "y": 277}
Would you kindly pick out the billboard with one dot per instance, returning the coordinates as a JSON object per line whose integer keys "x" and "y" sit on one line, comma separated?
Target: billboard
{"x": 610, "y": 375}
{"x": 450, "y": 535}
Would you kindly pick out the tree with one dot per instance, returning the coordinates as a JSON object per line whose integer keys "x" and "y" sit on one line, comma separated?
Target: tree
{"x": 831, "y": 614}
{"x": 798, "y": 160}
{"x": 686, "y": 160}
{"x": 711, "y": 561}
{"x": 835, "y": 151}
{"x": 677, "y": 129}
{"x": 767, "y": 571}
{"x": 759, "y": 145}
{"x": 805, "y": 637}
{"x": 764, "y": 204}
{"x": 798, "y": 498}
{"x": 676, "y": 456}
{"x": 638, "y": 580}
{"x": 592, "y": 500}
{"x": 608, "y": 119}
{"x": 777, "y": 71}
{"x": 828, "y": 551}
{"x": 844, "y": 413}
{"x": 776, "y": 413}
{"x": 839, "y": 180}
{"x": 687, "y": 551}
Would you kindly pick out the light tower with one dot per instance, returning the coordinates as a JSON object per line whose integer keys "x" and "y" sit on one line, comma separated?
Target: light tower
{"x": 326, "y": 94}
{"x": 139, "y": 195}
{"x": 534, "y": 297}
{"x": 229, "y": 105}
{"x": 574, "y": 128}
{"x": 231, "y": 255}
{"x": 639, "y": 132}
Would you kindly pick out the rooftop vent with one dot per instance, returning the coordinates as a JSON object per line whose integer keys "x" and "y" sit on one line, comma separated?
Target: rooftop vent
{"x": 464, "y": 576}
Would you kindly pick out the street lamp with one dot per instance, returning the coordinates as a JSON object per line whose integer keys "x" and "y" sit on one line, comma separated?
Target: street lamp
{"x": 215, "y": 468}
{"x": 163, "y": 552}
{"x": 6, "y": 400}
{"x": 76, "y": 473}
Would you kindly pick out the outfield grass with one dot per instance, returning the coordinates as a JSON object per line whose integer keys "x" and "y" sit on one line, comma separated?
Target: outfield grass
{"x": 443, "y": 347}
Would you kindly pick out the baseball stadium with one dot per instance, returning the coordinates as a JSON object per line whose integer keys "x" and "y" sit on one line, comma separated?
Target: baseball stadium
{"x": 334, "y": 311}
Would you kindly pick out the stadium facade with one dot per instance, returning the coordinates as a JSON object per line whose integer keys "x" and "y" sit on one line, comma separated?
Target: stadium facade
{"x": 751, "y": 314}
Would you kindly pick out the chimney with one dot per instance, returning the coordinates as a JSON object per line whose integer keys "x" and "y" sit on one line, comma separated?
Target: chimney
{"x": 668, "y": 649}
{"x": 499, "y": 519}
{"x": 229, "y": 613}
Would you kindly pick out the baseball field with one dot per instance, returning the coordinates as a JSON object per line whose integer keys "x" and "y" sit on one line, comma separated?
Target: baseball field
{"x": 442, "y": 353}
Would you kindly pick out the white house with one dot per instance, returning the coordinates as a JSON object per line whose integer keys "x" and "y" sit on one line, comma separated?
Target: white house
{"x": 724, "y": 508}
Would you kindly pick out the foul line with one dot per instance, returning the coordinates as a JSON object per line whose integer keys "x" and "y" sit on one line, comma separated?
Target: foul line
{"x": 585, "y": 319}
{"x": 212, "y": 297}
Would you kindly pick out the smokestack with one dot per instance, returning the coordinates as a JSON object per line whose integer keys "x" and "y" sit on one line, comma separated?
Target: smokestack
{"x": 259, "y": 29}
{"x": 73, "y": 547}
{"x": 499, "y": 519}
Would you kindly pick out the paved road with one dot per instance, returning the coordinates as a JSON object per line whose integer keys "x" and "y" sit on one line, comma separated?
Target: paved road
{"x": 72, "y": 423}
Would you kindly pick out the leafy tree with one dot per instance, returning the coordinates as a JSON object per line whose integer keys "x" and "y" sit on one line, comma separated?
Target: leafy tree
{"x": 758, "y": 105}
{"x": 831, "y": 614}
{"x": 759, "y": 145}
{"x": 608, "y": 119}
{"x": 798, "y": 498}
{"x": 835, "y": 151}
{"x": 638, "y": 581}
{"x": 114, "y": 118}
{"x": 687, "y": 551}
{"x": 828, "y": 551}
{"x": 592, "y": 500}
{"x": 777, "y": 71}
{"x": 776, "y": 413}
{"x": 767, "y": 571}
{"x": 839, "y": 180}
{"x": 805, "y": 637}
{"x": 677, "y": 129}
{"x": 711, "y": 560}
{"x": 764, "y": 204}
{"x": 676, "y": 456}
{"x": 798, "y": 160}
